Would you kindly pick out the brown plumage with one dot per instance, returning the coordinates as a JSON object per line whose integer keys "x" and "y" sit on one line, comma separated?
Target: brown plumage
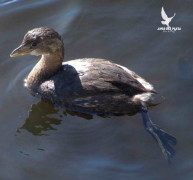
{"x": 87, "y": 85}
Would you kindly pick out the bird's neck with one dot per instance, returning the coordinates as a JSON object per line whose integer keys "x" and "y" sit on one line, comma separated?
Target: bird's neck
{"x": 47, "y": 66}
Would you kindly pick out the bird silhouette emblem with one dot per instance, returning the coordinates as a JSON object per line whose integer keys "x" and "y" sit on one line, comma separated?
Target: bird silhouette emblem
{"x": 166, "y": 19}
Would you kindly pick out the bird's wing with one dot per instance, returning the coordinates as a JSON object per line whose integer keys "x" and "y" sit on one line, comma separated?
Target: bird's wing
{"x": 163, "y": 14}
{"x": 131, "y": 87}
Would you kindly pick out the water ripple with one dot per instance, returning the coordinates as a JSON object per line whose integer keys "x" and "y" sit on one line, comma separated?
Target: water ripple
{"x": 22, "y": 7}
{"x": 12, "y": 83}
{"x": 7, "y": 2}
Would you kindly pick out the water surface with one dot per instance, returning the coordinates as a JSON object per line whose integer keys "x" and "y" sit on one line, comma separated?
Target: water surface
{"x": 40, "y": 142}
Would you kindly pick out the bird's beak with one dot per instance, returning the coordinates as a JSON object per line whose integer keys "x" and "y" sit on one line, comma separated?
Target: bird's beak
{"x": 20, "y": 51}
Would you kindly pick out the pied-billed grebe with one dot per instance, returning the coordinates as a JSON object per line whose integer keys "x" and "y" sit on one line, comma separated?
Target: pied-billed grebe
{"x": 88, "y": 85}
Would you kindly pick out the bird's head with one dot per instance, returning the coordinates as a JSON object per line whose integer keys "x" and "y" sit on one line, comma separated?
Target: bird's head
{"x": 39, "y": 41}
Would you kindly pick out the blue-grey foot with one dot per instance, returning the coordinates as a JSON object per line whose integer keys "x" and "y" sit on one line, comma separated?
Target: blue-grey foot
{"x": 165, "y": 140}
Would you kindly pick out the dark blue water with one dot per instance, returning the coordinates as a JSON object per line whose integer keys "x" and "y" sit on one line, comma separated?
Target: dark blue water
{"x": 39, "y": 142}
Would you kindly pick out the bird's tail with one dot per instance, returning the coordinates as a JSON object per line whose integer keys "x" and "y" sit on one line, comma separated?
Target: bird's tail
{"x": 155, "y": 99}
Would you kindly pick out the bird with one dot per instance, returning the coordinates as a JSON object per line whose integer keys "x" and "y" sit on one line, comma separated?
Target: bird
{"x": 88, "y": 85}
{"x": 166, "y": 19}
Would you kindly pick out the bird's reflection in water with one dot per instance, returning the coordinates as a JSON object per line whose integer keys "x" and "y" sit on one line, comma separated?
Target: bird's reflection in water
{"x": 43, "y": 117}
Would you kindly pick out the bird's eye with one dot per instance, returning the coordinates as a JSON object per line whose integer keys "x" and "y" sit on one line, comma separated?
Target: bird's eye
{"x": 33, "y": 44}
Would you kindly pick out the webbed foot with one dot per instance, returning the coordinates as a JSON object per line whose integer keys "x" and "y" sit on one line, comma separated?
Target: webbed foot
{"x": 165, "y": 140}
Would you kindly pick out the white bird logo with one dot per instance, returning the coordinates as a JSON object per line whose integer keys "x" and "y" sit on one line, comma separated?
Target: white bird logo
{"x": 166, "y": 19}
